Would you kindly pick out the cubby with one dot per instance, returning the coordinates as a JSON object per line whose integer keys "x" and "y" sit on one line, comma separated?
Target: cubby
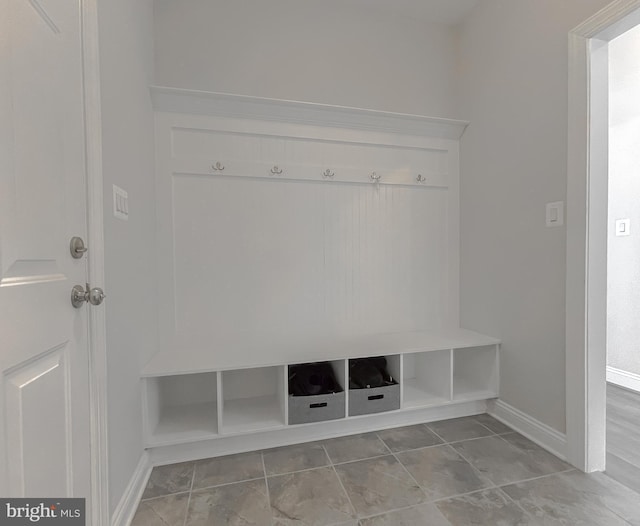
{"x": 426, "y": 378}
{"x": 181, "y": 408}
{"x": 475, "y": 373}
{"x": 253, "y": 399}
{"x": 372, "y": 400}
{"x": 321, "y": 407}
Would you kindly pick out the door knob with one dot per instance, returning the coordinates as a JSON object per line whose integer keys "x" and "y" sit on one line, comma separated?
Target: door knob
{"x": 80, "y": 295}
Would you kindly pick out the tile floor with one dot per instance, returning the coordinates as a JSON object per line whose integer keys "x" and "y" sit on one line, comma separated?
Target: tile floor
{"x": 461, "y": 472}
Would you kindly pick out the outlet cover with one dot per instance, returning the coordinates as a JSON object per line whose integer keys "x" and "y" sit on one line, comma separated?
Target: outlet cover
{"x": 120, "y": 203}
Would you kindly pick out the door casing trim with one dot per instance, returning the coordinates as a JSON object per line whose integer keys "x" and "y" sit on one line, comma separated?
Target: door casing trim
{"x": 97, "y": 344}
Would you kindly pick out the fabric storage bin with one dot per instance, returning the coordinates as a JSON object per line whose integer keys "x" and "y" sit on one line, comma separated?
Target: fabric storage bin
{"x": 374, "y": 400}
{"x": 315, "y": 394}
{"x": 372, "y": 389}
{"x": 317, "y": 408}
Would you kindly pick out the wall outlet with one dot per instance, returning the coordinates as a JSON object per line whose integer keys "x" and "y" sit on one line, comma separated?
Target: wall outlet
{"x": 623, "y": 227}
{"x": 555, "y": 213}
{"x": 120, "y": 203}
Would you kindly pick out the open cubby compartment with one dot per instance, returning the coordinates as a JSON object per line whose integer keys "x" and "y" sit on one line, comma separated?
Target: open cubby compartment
{"x": 339, "y": 369}
{"x": 475, "y": 373}
{"x": 321, "y": 407}
{"x": 426, "y": 378}
{"x": 253, "y": 399}
{"x": 181, "y": 408}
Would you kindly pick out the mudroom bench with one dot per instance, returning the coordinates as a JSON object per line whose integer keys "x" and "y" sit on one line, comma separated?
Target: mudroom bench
{"x": 239, "y": 387}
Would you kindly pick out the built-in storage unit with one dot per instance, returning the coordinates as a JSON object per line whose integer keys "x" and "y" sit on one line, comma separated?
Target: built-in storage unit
{"x": 290, "y": 233}
{"x": 431, "y": 368}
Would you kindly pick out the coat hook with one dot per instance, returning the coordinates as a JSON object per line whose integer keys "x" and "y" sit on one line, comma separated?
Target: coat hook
{"x": 328, "y": 173}
{"x": 421, "y": 178}
{"x": 218, "y": 166}
{"x": 375, "y": 177}
{"x": 276, "y": 170}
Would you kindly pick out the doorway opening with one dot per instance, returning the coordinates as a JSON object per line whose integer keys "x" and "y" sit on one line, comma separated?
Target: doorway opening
{"x": 623, "y": 253}
{"x": 588, "y": 228}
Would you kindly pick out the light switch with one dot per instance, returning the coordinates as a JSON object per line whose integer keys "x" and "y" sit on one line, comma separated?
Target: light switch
{"x": 555, "y": 213}
{"x": 120, "y": 203}
{"x": 623, "y": 227}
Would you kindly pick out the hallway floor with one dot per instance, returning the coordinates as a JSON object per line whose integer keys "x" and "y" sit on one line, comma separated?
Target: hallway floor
{"x": 466, "y": 471}
{"x": 623, "y": 436}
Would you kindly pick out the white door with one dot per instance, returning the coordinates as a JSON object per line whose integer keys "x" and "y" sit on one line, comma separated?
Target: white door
{"x": 44, "y": 395}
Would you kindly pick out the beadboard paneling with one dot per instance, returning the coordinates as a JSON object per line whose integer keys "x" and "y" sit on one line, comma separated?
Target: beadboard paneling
{"x": 241, "y": 251}
{"x": 273, "y": 255}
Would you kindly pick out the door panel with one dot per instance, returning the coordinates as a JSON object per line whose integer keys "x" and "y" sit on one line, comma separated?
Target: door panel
{"x": 37, "y": 401}
{"x": 44, "y": 405}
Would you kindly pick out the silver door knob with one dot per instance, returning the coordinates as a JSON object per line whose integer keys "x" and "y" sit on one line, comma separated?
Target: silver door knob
{"x": 80, "y": 295}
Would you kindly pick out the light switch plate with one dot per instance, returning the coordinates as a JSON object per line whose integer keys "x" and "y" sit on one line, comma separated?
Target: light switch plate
{"x": 120, "y": 203}
{"x": 555, "y": 213}
{"x": 623, "y": 227}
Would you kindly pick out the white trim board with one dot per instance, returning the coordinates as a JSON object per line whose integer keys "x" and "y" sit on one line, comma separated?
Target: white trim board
{"x": 623, "y": 379}
{"x": 543, "y": 435}
{"x": 97, "y": 347}
{"x": 126, "y": 508}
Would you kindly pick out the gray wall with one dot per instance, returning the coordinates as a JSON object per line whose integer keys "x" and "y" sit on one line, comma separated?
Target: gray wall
{"x": 126, "y": 64}
{"x": 623, "y": 275}
{"x": 312, "y": 51}
{"x": 512, "y": 78}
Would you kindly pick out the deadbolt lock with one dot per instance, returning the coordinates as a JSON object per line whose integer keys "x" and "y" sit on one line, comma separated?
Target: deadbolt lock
{"x": 77, "y": 248}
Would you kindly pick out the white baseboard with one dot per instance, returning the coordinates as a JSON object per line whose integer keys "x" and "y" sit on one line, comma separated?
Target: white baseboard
{"x": 543, "y": 435}
{"x": 623, "y": 378}
{"x": 126, "y": 509}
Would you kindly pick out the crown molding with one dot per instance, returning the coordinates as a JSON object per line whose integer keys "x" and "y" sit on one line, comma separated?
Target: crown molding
{"x": 241, "y": 106}
{"x": 610, "y": 21}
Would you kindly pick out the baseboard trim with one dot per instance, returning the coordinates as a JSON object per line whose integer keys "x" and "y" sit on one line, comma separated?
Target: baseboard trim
{"x": 623, "y": 379}
{"x": 126, "y": 509}
{"x": 542, "y": 434}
